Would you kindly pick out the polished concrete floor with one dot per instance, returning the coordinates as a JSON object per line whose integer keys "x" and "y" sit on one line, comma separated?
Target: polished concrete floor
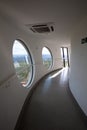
{"x": 52, "y": 106}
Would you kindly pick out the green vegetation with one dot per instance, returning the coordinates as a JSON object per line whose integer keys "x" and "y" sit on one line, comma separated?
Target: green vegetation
{"x": 47, "y": 63}
{"x": 23, "y": 72}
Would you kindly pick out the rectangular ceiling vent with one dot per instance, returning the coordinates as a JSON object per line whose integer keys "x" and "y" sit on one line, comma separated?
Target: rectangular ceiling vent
{"x": 42, "y": 28}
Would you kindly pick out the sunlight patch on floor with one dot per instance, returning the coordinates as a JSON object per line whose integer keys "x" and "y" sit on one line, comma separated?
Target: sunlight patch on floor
{"x": 54, "y": 75}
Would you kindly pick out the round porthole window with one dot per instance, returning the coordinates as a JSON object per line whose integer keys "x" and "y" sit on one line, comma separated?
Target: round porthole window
{"x": 22, "y": 63}
{"x": 47, "y": 57}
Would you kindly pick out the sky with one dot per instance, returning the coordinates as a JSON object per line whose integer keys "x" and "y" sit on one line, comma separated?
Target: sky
{"x": 45, "y": 51}
{"x": 19, "y": 49}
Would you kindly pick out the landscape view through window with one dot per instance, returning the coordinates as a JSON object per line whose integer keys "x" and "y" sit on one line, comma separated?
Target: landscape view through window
{"x": 22, "y": 63}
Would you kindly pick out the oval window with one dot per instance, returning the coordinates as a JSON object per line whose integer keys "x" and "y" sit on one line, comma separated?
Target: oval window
{"x": 22, "y": 63}
{"x": 47, "y": 57}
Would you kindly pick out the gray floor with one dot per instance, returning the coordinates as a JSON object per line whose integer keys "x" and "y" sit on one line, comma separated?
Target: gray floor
{"x": 52, "y": 106}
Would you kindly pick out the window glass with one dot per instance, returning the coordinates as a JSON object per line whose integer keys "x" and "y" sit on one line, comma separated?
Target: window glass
{"x": 47, "y": 57}
{"x": 22, "y": 62}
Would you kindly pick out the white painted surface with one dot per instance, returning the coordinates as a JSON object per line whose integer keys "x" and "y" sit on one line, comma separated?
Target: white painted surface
{"x": 13, "y": 20}
{"x": 12, "y": 94}
{"x": 78, "y": 71}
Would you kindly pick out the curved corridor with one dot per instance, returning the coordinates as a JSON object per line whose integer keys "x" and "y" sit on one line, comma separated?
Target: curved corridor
{"x": 52, "y": 106}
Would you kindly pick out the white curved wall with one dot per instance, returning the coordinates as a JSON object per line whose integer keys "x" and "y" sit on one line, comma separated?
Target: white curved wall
{"x": 12, "y": 94}
{"x": 78, "y": 71}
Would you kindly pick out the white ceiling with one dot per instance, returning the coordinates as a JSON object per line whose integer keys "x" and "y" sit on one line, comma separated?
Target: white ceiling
{"x": 65, "y": 14}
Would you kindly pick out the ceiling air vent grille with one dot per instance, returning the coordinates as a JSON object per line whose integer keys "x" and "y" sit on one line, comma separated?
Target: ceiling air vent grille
{"x": 42, "y": 28}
